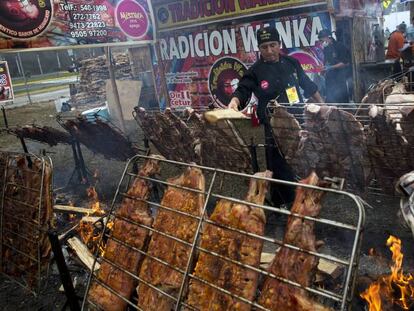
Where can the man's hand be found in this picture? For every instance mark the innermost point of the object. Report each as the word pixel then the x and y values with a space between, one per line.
pixel 234 104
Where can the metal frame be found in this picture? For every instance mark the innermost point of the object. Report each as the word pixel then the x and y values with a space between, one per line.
pixel 61 118
pixel 350 264
pixel 229 127
pixel 38 224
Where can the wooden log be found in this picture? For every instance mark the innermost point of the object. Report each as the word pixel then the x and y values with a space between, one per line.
pixel 82 252
pixel 72 209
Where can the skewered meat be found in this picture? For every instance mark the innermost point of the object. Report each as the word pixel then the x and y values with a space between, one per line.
pixel 125 235
pixel 219 145
pixel 170 135
pixel 332 143
pixel 44 134
pixel 376 93
pixel 100 137
pixel 167 249
pixel 224 274
pixel 340 141
pixel 388 149
pixel 293 265
pixel 287 133
pixel 407 125
pixel 27 214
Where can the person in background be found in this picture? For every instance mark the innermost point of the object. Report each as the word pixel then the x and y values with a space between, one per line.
pixel 410 32
pixel 275 76
pixel 395 45
pixel 337 61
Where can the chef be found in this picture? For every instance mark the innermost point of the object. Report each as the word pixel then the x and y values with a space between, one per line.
pixel 280 77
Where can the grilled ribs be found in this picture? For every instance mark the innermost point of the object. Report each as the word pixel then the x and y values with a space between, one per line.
pixel 167 249
pixel 294 265
pixel 125 235
pixel 25 211
pixel 236 246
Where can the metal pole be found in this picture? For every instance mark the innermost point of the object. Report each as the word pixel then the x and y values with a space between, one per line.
pixel 58 60
pixel 24 77
pixel 253 153
pixel 18 66
pixel 40 64
pixel 112 77
pixel 70 293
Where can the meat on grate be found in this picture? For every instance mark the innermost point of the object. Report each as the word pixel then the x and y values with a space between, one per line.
pixel 125 235
pixel 168 249
pixel 294 265
pixel 238 280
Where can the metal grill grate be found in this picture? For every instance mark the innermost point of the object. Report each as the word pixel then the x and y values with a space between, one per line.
pixel 342 216
pixel 26 212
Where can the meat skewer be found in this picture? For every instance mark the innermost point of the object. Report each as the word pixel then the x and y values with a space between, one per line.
pixel 135 236
pixel 167 249
pixel 293 265
pixel 224 274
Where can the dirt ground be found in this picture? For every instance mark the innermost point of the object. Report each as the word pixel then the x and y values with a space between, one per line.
pixel 381 219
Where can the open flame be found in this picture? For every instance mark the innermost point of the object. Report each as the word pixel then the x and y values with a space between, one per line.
pixel 90 228
pixel 396 288
pixel 95 205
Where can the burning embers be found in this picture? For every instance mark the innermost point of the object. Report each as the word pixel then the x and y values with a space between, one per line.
pixel 91 226
pixel 396 289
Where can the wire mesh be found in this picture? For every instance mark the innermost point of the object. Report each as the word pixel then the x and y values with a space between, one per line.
pixel 169 272
pixel 99 135
pixel 371 145
pixel 26 212
pixel 189 138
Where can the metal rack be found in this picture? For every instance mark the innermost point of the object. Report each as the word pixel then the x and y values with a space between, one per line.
pixel 231 186
pixel 387 151
pixel 92 140
pixel 25 206
pixel 187 138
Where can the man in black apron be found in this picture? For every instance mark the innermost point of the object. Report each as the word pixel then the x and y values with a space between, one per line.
pixel 275 76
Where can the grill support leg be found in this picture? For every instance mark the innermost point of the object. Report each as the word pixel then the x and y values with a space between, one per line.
pixel 72 299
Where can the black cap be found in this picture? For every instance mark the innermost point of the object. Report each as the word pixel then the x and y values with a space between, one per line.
pixel 324 33
pixel 267 34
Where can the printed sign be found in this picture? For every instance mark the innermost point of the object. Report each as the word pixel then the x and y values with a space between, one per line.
pixel 132 19
pixel 197 61
pixel 24 19
pixel 6 88
pixel 171 14
pixel 224 78
pixel 47 23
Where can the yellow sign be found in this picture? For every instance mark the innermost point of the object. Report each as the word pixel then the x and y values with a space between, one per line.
pixel 172 14
pixel 293 96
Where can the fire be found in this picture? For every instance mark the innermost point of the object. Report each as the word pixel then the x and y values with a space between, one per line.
pixel 90 233
pixel 396 288
pixel 95 205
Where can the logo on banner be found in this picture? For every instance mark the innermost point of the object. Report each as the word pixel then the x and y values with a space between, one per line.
pixel 24 19
pixel 6 89
pixel 309 63
pixel 132 19
pixel 224 78
pixel 264 85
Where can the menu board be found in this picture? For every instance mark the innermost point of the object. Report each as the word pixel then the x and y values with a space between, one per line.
pixel 48 23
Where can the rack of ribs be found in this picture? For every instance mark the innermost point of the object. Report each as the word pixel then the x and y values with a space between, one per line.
pixel 134 209
pixel 294 265
pixel 167 249
pixel 238 280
